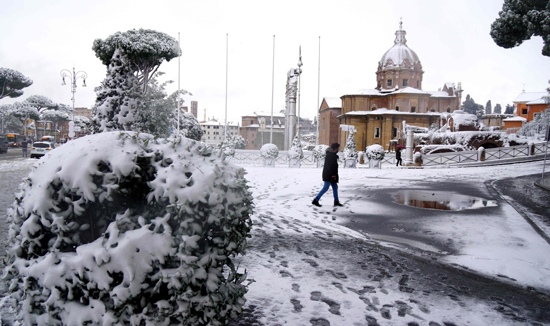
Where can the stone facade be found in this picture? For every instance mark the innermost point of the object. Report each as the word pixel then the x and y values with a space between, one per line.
pixel 378 114
pixel 252 132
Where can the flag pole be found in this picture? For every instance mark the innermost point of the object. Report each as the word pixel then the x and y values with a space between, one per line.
pixel 226 74
pixel 272 92
pixel 318 91
pixel 178 97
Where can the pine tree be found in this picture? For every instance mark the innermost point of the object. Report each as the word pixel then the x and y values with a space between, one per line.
pixel 509 109
pixel 470 106
pixel 498 109
pixel 519 20
pixel 12 82
pixel 488 107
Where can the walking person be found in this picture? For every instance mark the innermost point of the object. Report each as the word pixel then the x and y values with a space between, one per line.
pixel 24 145
pixel 330 175
pixel 398 157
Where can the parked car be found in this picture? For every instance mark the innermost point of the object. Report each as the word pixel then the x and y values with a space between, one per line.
pixel 3 145
pixel 40 148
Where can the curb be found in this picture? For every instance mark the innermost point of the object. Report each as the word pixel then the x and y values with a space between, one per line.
pixel 521 212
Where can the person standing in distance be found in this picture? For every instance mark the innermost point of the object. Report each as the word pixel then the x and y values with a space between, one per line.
pixel 330 175
pixel 24 147
pixel 398 157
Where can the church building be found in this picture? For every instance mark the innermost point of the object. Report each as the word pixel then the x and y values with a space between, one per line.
pixel 379 114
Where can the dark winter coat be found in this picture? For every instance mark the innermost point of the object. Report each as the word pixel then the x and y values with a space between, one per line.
pixel 398 154
pixel 330 169
pixel 24 144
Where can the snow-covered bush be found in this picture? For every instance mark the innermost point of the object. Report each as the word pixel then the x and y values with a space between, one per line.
pixel 269 151
pixel 536 128
pixel 375 152
pixel 295 152
pixel 350 150
pixel 118 98
pixel 190 127
pixel 319 152
pixel 118 228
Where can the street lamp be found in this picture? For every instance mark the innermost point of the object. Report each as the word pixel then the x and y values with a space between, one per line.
pixel 73 76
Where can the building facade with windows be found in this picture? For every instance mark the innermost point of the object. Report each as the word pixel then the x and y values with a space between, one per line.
pixel 214 131
pixel 256 130
pixel 378 114
pixel 529 105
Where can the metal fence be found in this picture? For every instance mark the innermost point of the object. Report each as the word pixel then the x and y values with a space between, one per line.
pixel 253 157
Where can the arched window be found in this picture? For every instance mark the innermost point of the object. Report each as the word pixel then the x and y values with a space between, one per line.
pixel 449 110
pixel 373 108
pixel 413 108
pixel 397 108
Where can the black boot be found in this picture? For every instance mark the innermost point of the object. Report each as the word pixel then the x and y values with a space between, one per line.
pixel 316 203
pixel 337 203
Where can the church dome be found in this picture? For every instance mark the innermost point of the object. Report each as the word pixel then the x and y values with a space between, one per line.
pixel 400 55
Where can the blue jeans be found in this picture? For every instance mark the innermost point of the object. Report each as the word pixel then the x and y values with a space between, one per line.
pixel 24 152
pixel 325 188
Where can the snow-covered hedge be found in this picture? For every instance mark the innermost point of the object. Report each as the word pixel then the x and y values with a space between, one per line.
pixel 295 152
pixel 118 228
pixel 375 152
pixel 350 150
pixel 269 151
pixel 536 128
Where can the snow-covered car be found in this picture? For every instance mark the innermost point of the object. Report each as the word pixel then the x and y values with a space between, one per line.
pixel 39 149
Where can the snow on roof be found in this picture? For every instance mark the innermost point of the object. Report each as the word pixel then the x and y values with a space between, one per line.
pixel 218 123
pixel 517 118
pixel 410 90
pixel 440 94
pixel 529 96
pixel 406 90
pixel 390 112
pixel 539 101
pixel 264 114
pixel 333 102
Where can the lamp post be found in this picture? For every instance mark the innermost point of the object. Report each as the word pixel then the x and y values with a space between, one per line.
pixel 73 76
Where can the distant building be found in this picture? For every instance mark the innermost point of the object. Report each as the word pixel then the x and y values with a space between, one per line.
pixel 329 125
pixel 252 131
pixel 529 105
pixel 85 112
pixel 378 114
pixel 495 121
pixel 214 131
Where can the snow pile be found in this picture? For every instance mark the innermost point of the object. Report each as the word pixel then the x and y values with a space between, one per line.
pixel 350 150
pixel 118 228
pixel 269 151
pixel 375 152
pixel 461 118
pixel 295 152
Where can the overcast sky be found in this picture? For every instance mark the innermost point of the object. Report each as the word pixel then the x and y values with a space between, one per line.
pixel 451 38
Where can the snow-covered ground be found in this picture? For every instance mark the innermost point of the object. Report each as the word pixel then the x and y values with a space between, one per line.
pixel 306 263
pixel 310 268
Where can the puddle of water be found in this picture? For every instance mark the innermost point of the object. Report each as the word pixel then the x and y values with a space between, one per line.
pixel 441 200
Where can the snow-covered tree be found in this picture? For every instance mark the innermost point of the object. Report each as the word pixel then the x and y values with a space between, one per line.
pixel 519 20
pixel 118 98
pixel 509 109
pixel 350 150
pixel 498 109
pixel 489 108
pixel 41 102
pixel 144 49
pixel 537 127
pixel 470 106
pixel 24 111
pixel 12 82
pixel 238 141
pixel 190 127
pixel 319 152
pixel 118 228
pixel 296 152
